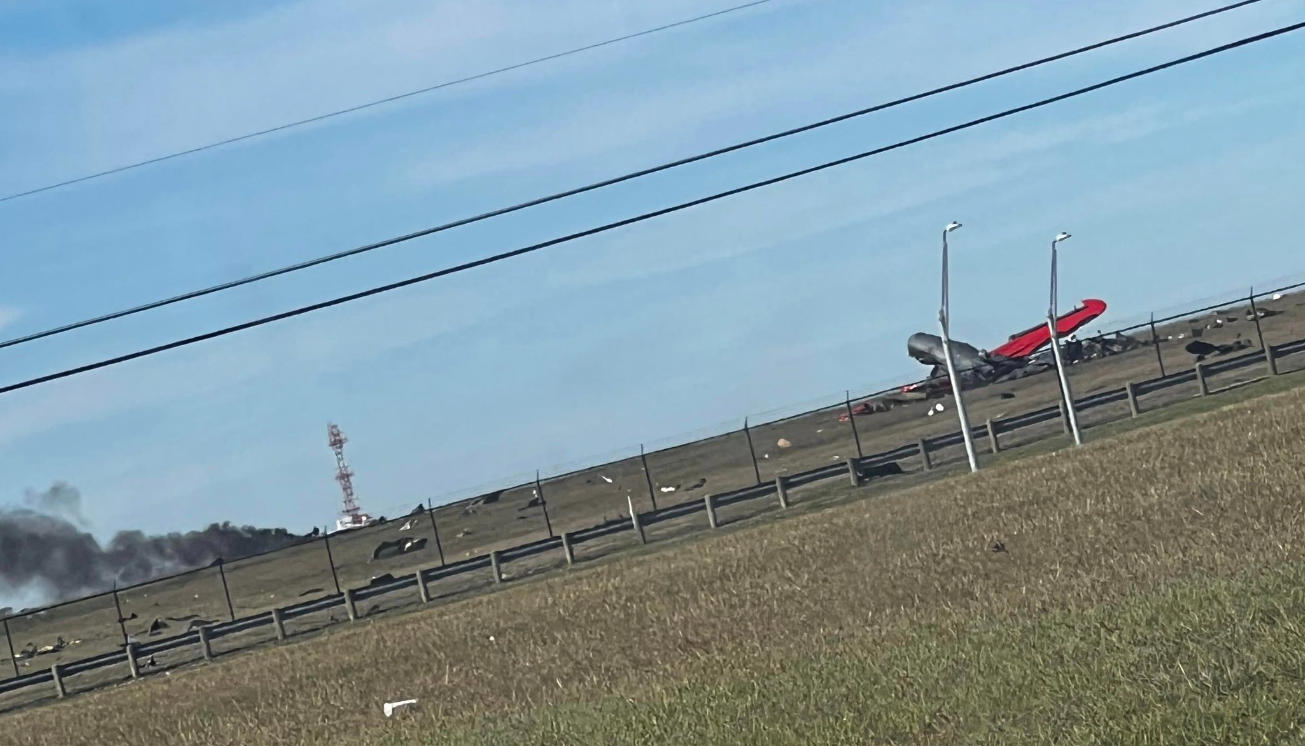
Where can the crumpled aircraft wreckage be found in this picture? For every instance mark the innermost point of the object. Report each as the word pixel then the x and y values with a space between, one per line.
pixel 1023 354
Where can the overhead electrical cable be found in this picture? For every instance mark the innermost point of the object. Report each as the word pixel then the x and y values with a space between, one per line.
pixel 647 215
pixel 379 102
pixel 191 295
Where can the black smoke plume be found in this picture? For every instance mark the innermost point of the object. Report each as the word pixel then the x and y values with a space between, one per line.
pixel 62 500
pixel 45 553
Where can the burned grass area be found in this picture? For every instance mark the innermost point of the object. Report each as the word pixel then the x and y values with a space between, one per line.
pixel 1147 588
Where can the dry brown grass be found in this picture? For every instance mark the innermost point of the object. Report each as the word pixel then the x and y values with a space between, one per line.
pixel 883 621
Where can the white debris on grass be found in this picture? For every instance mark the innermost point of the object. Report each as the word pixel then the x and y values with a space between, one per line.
pixel 389 707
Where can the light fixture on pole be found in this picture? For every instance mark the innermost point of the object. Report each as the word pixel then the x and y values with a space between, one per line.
pixel 944 321
pixel 1067 396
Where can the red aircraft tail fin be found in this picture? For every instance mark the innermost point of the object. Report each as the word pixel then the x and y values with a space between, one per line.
pixel 1029 342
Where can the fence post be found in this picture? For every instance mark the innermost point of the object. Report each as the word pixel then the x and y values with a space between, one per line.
pixel 56 673
pixel 543 504
pixel 1131 389
pixel 647 474
pixel 852 421
pixel 430 511
pixel 225 590
pixel 1268 349
pixel 494 565
pixel 1201 384
pixel 1064 416
pixel 924 454
pixel 756 470
pixel 133 664
pixel 854 472
pixel 117 604
pixel 278 623
pixel 423 591
pixel 567 549
pixel 335 577
pixel 781 489
pixel 13 658
pixel 205 644
pixel 1155 341
pixel 710 502
pixel 992 438
pixel 350 607
pixel 634 519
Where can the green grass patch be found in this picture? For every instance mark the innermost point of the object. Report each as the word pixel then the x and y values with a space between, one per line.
pixel 1204 660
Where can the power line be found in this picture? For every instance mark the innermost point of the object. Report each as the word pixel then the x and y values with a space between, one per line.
pixel 191 295
pixel 389 100
pixel 647 215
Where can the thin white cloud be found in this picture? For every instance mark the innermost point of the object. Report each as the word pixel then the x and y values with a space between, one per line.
pixel 8 315
pixel 863 193
pixel 726 86
pixel 98 106
pixel 1138 122
pixel 362 329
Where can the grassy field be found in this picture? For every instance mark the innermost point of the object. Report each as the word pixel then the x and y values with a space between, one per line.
pixel 1151 590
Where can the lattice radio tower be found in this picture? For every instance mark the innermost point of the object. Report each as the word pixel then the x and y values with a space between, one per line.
pixel 343 474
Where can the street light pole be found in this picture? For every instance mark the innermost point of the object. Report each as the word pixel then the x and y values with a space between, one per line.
pixel 1065 392
pixel 944 322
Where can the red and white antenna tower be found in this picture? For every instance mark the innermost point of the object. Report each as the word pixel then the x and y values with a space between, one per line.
pixel 353 516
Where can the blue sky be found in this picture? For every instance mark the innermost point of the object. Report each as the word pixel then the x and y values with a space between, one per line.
pixel 1179 186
